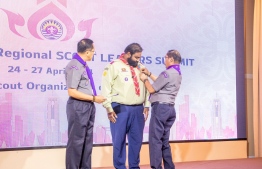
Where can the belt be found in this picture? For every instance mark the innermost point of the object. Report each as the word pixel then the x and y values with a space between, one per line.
pixel 128 104
pixel 71 98
pixel 156 103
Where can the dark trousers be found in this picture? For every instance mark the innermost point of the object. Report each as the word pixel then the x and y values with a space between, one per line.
pixel 130 121
pixel 162 118
pixel 81 117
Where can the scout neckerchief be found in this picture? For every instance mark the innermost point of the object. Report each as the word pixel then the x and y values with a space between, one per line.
pixel 137 89
pixel 177 67
pixel 89 74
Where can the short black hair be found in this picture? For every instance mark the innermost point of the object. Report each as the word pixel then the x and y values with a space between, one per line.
pixel 133 48
pixel 84 44
pixel 175 55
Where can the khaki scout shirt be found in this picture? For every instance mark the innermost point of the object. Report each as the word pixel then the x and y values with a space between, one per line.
pixel 118 86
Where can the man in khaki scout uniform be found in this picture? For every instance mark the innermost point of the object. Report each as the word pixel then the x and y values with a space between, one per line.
pixel 127 105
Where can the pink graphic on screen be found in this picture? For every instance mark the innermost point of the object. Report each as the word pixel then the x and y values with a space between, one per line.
pixel 38 44
pixel 42 13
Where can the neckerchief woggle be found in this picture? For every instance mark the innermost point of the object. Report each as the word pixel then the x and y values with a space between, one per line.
pixel 89 74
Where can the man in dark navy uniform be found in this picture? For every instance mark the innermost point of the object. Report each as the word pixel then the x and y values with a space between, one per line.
pixel 80 108
pixel 163 93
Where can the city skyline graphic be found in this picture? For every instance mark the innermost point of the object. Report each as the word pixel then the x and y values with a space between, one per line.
pixel 16 132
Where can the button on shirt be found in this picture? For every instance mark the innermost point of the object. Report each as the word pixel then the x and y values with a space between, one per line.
pixel 118 86
pixel 166 86
pixel 76 77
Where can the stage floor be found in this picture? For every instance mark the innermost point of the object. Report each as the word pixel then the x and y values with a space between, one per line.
pixel 247 163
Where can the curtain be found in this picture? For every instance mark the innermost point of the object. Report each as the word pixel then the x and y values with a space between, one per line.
pixel 257 79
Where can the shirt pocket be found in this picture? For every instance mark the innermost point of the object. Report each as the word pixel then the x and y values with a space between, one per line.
pixel 84 82
pixel 125 77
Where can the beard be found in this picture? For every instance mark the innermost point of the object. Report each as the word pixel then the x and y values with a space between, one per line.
pixel 131 62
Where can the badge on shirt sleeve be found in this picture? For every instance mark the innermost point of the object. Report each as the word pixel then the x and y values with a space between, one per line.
pixel 105 71
pixel 165 75
pixel 74 67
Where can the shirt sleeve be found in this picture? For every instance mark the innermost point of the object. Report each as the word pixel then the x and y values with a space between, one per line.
pixel 106 86
pixel 73 77
pixel 147 103
pixel 161 81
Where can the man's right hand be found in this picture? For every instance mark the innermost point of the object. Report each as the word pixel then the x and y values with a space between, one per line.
pixel 100 99
pixel 112 116
pixel 145 71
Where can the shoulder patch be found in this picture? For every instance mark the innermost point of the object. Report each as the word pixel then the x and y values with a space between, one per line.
pixel 73 67
pixel 165 74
